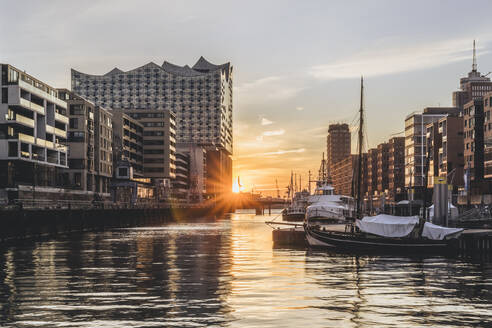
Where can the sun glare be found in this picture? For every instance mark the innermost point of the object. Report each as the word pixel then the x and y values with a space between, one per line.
pixel 235 187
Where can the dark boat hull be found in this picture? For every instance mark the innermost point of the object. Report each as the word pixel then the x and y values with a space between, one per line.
pixel 354 241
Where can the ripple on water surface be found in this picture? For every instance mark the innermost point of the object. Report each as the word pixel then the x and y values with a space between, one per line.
pixel 226 273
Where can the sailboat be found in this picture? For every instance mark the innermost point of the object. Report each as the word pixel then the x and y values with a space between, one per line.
pixel 382 232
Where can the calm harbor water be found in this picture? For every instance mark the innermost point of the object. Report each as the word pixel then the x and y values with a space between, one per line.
pixel 226 273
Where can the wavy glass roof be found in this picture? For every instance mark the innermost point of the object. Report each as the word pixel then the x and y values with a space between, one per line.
pixel 201 67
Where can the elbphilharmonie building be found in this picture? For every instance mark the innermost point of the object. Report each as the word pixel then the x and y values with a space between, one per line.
pixel 200 96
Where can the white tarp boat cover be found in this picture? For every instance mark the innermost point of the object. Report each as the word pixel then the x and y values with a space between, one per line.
pixel 388 225
pixel 436 232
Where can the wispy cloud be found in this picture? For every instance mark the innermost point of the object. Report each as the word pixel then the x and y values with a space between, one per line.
pixel 265 121
pixel 274 133
pixel 274 153
pixel 270 88
pixel 397 59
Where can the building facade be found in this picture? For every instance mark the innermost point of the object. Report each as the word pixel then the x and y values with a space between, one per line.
pixel 415 142
pixel 33 131
pixel 84 161
pixel 396 167
pixel 372 171
pixel 487 131
pixel 201 97
pixel 337 145
pixel 128 144
pixel 383 167
pixel 473 134
pixel 445 139
pixel 159 142
pixel 342 173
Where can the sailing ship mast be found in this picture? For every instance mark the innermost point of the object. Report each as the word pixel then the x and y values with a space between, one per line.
pixel 360 144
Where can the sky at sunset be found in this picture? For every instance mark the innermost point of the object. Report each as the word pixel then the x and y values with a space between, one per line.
pixel 297 64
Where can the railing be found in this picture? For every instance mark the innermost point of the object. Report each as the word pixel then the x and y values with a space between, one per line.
pixel 60 132
pixel 22 119
pixel 61 118
pixel 26 138
pixel 43 204
pixel 29 104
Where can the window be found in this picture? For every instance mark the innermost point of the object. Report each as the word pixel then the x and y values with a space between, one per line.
pixel 13 151
pixel 5 95
pixel 74 123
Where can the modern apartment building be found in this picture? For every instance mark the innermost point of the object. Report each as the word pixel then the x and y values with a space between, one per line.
pixel 372 171
pixel 445 137
pixel 337 145
pixel 128 144
pixel 342 173
pixel 104 142
pixel 383 167
pixel 200 96
pixel 33 131
pixel 473 134
pixel 487 131
pixel 181 184
pixel 159 142
pixel 472 87
pixel 396 167
pixel 84 164
pixel 415 142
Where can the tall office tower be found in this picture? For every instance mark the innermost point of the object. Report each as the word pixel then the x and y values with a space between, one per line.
pixel 337 145
pixel 473 134
pixel 33 131
pixel 473 86
pixel 89 156
pixel 200 96
pixel 396 167
pixel 415 142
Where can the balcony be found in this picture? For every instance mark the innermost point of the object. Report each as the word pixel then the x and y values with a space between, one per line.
pixel 26 138
pixel 22 120
pixel 61 118
pixel 60 133
pixel 32 106
pixel 50 129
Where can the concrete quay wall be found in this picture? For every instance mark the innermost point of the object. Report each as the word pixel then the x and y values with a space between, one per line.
pixel 28 223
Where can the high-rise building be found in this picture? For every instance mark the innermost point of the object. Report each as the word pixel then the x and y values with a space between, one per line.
pixel 85 171
pixel 473 134
pixel 415 142
pixel 33 131
pixel 473 86
pixel 200 96
pixel 337 145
